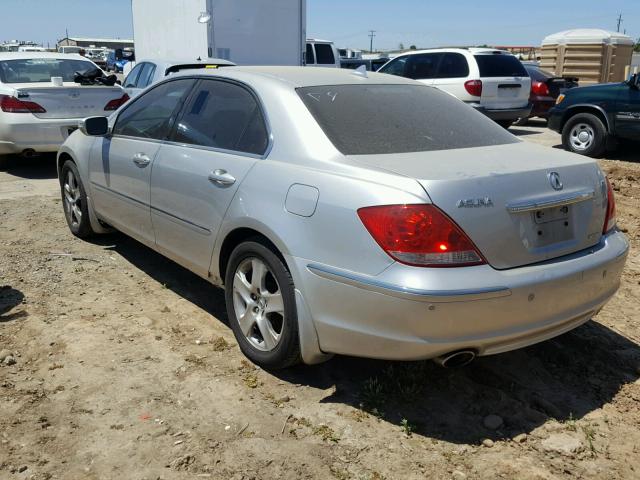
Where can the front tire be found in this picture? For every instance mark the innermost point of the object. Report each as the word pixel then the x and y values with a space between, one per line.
pixel 74 201
pixel 261 306
pixel 585 134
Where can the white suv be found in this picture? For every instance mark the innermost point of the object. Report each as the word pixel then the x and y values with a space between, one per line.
pixel 492 81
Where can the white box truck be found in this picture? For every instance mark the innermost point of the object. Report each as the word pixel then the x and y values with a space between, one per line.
pixel 246 32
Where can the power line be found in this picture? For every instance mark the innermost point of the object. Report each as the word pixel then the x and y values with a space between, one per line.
pixel 372 33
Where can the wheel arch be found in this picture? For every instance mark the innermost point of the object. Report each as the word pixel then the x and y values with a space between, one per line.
pixel 586 108
pixel 239 234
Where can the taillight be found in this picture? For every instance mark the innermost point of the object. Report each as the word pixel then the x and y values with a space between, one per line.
pixel 540 88
pixel 419 235
pixel 117 103
pixel 11 104
pixel 610 217
pixel 474 87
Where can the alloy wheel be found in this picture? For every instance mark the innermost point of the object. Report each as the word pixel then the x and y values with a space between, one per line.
pixel 258 304
pixel 72 199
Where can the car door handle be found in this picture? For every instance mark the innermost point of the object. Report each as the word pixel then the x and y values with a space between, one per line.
pixel 221 178
pixel 141 160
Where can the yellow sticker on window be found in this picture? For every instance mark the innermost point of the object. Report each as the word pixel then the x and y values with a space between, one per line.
pixel 211 66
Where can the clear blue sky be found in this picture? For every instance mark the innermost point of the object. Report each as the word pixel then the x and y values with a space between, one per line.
pixel 346 22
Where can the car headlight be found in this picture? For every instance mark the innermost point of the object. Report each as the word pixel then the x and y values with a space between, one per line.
pixel 560 99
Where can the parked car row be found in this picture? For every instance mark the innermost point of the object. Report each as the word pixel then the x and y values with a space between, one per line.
pixel 357 213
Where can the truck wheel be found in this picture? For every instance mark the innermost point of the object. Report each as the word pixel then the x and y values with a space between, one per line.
pixel 584 133
pixel 261 306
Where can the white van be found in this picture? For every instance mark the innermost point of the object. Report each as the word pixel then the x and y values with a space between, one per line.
pixel 494 82
pixel 321 53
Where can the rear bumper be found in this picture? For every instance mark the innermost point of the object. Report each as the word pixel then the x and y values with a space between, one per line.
pixel 24 131
pixel 503 113
pixel 541 106
pixel 409 313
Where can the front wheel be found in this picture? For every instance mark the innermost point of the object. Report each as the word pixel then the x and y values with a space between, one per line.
pixel 74 201
pixel 261 306
pixel 584 133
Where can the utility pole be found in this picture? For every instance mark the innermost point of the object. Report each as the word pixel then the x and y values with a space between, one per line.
pixel 372 33
pixel 619 21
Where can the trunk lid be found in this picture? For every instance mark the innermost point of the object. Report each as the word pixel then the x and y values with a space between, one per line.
pixel 69 101
pixel 503 198
pixel 505 82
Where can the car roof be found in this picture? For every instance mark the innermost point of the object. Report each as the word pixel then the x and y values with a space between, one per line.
pixel 186 61
pixel 34 55
pixel 297 77
pixel 471 50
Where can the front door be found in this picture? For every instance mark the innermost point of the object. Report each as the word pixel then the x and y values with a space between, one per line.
pixel 627 116
pixel 120 165
pixel 220 135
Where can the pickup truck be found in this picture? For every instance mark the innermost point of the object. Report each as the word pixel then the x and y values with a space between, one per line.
pixel 589 118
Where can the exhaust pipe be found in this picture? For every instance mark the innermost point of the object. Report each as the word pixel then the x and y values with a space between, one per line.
pixel 456 359
pixel 29 153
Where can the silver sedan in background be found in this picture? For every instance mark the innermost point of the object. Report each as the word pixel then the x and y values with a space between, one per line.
pixel 350 213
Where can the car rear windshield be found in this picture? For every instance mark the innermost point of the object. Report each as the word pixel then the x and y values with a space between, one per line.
pixel 385 119
pixel 500 65
pixel 40 70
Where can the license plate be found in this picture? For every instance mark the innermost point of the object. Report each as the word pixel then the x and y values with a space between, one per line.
pixel 552 225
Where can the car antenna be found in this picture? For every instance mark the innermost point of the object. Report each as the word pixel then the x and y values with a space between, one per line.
pixel 361 71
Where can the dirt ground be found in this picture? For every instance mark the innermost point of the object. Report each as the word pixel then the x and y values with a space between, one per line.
pixel 125 368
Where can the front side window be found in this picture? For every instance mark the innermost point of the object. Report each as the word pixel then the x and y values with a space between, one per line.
pixel 132 78
pixel 324 54
pixel 223 115
pixel 146 75
pixel 151 114
pixel 40 70
pixel 396 67
pixel 390 119
pixel 423 66
pixel 453 65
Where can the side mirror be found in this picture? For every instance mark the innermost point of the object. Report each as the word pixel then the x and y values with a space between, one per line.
pixel 94 126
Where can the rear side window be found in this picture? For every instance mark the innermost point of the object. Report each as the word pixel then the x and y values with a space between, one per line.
pixel 500 65
pixel 423 66
pixel 453 65
pixel 132 78
pixel 324 54
pixel 150 115
pixel 386 119
pixel 311 57
pixel 225 116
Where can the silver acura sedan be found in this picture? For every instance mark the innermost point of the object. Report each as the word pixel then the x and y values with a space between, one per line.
pixel 350 213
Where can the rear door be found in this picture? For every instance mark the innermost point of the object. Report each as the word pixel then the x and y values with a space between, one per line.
pixel 423 67
pixel 120 165
pixel 219 137
pixel 505 82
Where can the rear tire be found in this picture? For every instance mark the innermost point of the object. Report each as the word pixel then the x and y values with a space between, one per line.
pixel 585 134
pixel 4 162
pixel 74 201
pixel 261 306
pixel 504 123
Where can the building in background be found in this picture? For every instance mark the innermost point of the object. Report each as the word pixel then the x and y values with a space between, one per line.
pixel 85 43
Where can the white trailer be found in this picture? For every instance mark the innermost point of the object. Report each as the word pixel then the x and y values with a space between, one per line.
pixel 246 32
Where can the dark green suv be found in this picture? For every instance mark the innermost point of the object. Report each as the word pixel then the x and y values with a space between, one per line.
pixel 588 117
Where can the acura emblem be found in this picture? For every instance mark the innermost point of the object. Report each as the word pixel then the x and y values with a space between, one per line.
pixel 554 180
